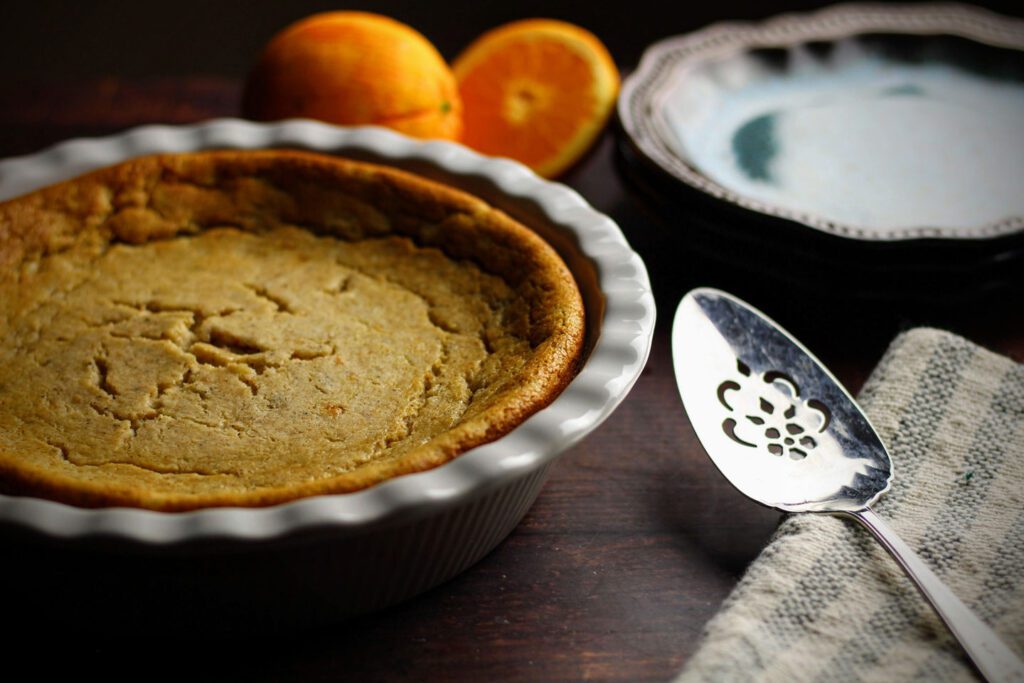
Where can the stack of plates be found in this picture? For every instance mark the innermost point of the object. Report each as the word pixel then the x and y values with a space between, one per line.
pixel 870 150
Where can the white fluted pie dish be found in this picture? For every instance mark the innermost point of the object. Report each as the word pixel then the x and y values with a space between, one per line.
pixel 326 557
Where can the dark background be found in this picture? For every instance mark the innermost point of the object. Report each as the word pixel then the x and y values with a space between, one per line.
pixel 53 40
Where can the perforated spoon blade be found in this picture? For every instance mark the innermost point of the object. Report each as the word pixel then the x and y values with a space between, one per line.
pixel 786 433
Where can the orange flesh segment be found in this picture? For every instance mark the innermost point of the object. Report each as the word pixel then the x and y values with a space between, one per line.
pixel 537 91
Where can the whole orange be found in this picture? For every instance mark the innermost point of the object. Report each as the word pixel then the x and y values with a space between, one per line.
pixel 355 68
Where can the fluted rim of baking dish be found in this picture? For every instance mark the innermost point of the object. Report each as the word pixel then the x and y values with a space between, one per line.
pixel 616 359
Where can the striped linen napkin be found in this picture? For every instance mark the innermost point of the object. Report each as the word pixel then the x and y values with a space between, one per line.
pixel 824 602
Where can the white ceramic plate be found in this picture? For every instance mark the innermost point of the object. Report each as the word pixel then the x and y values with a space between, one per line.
pixel 872 122
pixel 612 278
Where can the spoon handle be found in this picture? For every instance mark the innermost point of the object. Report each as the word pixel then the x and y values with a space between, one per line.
pixel 995 661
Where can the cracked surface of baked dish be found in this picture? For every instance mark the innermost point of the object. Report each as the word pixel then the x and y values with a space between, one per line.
pixel 248 328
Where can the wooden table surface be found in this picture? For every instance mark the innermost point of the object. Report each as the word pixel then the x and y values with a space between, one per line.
pixel 635 540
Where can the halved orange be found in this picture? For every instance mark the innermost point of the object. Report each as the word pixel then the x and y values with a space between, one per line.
pixel 538 91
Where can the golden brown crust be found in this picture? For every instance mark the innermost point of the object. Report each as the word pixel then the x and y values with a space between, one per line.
pixel 212 201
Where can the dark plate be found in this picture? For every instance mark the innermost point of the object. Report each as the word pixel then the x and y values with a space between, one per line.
pixel 801 149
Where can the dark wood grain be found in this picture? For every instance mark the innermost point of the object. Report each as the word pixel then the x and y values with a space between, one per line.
pixel 635 540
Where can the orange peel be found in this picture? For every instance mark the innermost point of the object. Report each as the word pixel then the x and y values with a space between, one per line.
pixel 355 68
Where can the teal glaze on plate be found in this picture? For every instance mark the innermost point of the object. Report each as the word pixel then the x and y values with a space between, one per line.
pixel 855 136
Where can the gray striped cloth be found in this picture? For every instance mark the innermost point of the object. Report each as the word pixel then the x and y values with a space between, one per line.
pixel 824 602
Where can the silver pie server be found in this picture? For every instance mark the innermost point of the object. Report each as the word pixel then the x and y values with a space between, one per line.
pixel 786 433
